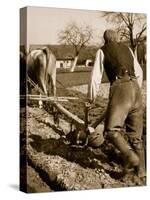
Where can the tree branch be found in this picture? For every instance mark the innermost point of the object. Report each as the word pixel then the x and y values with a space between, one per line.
pixel 138 35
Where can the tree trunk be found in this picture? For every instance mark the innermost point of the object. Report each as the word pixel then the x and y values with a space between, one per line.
pixel 74 64
pixel 132 40
pixel 135 52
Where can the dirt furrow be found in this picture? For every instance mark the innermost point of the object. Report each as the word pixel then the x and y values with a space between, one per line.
pixel 63 166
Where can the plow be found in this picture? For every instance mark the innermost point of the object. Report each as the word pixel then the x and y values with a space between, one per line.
pixel 81 129
pixel 50 150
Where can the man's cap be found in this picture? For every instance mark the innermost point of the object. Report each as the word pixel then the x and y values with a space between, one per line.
pixel 110 35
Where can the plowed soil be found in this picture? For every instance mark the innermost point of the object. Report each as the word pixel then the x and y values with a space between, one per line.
pixel 54 163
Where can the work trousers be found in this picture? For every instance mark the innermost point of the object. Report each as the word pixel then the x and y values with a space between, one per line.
pixel 125 109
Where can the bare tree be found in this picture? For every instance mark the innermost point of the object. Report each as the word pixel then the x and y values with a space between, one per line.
pixel 76 36
pixel 131 26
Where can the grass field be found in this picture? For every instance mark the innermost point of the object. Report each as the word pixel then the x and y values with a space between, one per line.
pixel 80 76
pixel 72 79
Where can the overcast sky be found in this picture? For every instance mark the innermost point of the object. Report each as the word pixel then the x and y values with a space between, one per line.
pixel 44 24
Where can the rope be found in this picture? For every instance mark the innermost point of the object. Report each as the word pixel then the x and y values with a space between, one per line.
pixel 34 85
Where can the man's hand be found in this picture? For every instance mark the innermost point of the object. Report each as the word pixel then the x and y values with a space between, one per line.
pixel 91 101
pixel 87 104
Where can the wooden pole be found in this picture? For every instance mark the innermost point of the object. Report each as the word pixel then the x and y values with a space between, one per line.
pixel 48 97
pixel 98 121
pixel 86 111
pixel 79 122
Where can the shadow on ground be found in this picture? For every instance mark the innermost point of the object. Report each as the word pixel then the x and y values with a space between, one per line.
pixel 85 157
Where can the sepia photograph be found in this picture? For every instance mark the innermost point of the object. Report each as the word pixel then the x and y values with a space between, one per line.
pixel 82 99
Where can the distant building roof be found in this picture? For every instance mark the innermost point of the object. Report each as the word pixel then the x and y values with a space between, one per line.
pixel 66 58
pixel 66 52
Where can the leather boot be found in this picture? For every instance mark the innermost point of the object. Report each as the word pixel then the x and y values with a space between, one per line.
pixel 129 156
pixel 139 149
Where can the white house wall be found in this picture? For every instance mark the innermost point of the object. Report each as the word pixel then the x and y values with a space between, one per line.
pixel 64 63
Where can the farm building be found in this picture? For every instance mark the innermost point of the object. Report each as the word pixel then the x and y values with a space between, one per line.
pixel 89 62
pixel 65 55
pixel 64 62
pixel 67 62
